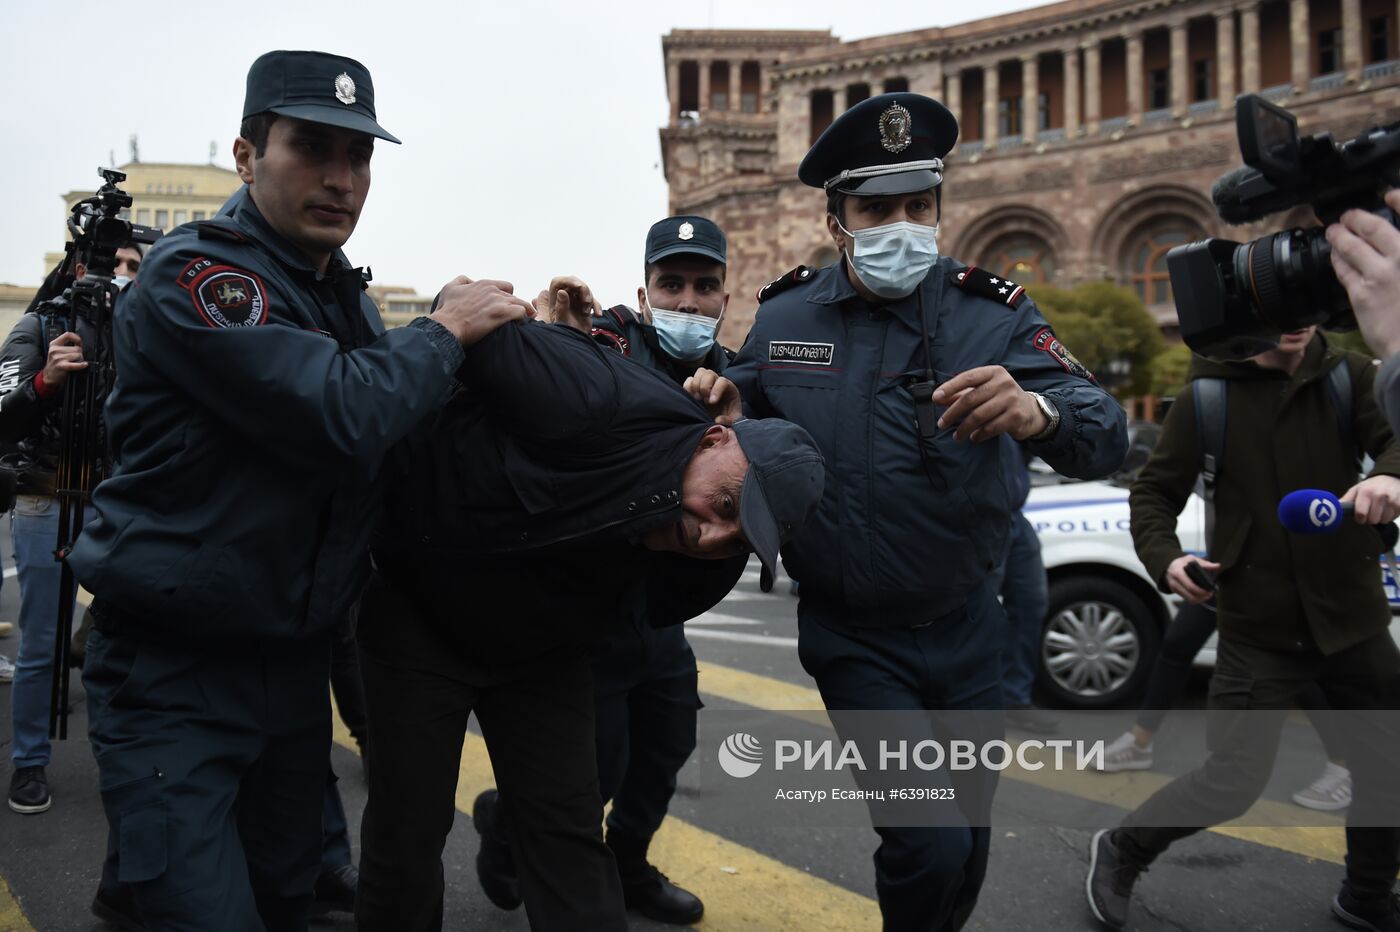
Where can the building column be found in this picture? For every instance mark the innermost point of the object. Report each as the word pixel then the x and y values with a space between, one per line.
pixel 1133 75
pixel 1180 69
pixel 933 81
pixel 1093 72
pixel 1351 39
pixel 733 100
pixel 1300 41
pixel 1030 97
pixel 1225 58
pixel 1071 82
pixel 1249 48
pixel 954 101
pixel 673 88
pixel 704 88
pixel 991 97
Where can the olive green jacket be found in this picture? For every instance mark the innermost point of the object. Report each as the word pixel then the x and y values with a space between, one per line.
pixel 1276 589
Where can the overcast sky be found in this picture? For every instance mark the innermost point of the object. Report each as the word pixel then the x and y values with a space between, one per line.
pixel 529 127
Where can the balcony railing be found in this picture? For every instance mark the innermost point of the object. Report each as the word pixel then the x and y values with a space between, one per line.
pixel 1014 141
pixel 970 147
pixel 1161 115
pixel 1203 107
pixel 1113 125
pixel 1380 69
pixel 1328 82
pixel 1277 93
pixel 1051 135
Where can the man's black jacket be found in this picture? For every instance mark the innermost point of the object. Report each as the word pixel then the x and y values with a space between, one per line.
pixel 514 516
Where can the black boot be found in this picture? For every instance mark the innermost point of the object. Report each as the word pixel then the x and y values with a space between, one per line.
pixel 495 866
pixel 646 889
pixel 335 891
pixel 117 907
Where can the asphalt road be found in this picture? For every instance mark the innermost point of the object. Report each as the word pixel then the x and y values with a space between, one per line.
pixel 782 874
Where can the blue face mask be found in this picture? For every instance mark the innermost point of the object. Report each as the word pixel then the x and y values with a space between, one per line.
pixel 892 259
pixel 684 337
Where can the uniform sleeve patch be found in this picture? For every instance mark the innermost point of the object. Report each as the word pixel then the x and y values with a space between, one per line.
pixel 1046 341
pixel 192 270
pixel 986 285
pixel 227 297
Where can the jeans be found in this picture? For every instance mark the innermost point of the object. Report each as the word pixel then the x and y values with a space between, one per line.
pixel 34 526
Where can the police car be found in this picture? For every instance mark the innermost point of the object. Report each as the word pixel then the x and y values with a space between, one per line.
pixel 1106 617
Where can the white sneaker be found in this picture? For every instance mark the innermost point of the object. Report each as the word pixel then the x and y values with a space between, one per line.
pixel 7 669
pixel 1329 792
pixel 1123 753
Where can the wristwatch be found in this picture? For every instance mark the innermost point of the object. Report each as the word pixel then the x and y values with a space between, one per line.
pixel 1052 417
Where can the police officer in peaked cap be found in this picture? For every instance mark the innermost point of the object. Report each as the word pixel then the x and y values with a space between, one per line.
pixel 906 366
pixel 256 393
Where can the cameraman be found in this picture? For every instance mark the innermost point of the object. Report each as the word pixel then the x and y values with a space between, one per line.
pixel 1292 610
pixel 31 414
pixel 1366 257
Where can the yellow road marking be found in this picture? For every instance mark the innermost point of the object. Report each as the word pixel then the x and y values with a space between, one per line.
pixel 12 918
pixel 1266 823
pixel 741 887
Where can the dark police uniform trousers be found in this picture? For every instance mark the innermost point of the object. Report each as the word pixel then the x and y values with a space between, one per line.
pixel 193 749
pixel 950 663
pixel 646 697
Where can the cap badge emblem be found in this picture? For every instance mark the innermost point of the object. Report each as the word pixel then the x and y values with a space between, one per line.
pixel 345 89
pixel 896 128
pixel 686 231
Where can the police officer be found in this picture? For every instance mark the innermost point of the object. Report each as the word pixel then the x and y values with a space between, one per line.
pixel 256 394
pixel 644 677
pixel 905 366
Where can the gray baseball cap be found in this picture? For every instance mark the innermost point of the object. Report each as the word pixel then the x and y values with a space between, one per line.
pixel 784 483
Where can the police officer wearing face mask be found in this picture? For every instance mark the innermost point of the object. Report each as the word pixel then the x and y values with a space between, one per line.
pixel 905 367
pixel 644 678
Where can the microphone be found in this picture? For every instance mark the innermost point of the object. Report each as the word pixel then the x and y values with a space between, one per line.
pixel 1228 197
pixel 1315 511
pixel 1312 511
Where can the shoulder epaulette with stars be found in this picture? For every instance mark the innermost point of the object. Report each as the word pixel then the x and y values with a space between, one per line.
pixel 986 285
pixel 785 281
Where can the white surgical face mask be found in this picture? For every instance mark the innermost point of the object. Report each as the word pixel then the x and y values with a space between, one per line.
pixel 892 259
pixel 121 281
pixel 684 337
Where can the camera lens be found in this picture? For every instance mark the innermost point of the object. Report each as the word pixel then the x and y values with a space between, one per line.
pixel 1288 279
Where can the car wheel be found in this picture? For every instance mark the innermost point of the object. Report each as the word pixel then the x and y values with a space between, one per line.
pixel 1098 644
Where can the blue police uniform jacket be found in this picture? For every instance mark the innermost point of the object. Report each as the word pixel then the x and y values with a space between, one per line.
pixel 255 399
pixel 907 529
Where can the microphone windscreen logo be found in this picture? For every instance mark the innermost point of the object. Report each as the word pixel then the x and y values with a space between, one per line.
pixel 1322 513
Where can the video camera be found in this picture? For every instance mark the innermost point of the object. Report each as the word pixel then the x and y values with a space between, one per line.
pixel 1235 300
pixel 98 230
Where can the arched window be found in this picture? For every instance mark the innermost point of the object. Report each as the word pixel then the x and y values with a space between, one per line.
pixel 1146 264
pixel 1023 258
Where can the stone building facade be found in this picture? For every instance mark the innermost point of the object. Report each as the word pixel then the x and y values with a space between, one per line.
pixel 1091 130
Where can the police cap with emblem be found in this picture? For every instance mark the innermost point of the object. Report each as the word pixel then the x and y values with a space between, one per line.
pixel 891 144
pixel 685 236
pixel 314 86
